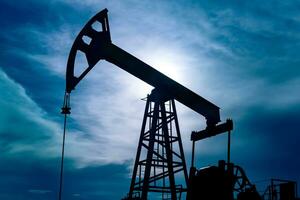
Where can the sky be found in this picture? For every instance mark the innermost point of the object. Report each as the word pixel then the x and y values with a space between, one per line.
pixel 241 55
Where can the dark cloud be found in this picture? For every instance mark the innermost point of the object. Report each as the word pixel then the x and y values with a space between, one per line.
pixel 272 146
pixel 263 36
pixel 33 178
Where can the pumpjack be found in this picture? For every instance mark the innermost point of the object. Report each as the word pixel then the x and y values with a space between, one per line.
pixel 160 166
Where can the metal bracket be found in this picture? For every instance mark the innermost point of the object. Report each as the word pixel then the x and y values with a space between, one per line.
pixel 212 131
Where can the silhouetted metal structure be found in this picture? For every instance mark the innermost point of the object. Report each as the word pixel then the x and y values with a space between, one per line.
pixel 162 159
pixel 281 190
pixel 225 181
pixel 100 47
pixel 160 156
pixel 211 131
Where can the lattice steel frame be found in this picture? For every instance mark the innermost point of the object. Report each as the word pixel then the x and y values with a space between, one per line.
pixel 160 153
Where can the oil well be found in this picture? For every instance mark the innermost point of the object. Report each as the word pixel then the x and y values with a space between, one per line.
pixel 160 162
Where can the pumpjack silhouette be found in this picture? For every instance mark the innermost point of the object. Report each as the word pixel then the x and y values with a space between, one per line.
pixel 160 162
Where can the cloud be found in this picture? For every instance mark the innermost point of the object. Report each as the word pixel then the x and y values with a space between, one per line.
pixel 111 90
pixel 33 178
pixel 24 127
pixel 104 86
pixel 30 150
pixel 241 56
pixel 28 138
pixel 27 129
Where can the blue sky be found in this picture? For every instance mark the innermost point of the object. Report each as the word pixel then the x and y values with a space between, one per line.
pixel 241 55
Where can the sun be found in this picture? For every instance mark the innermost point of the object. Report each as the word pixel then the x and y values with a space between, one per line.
pixel 170 61
pixel 167 62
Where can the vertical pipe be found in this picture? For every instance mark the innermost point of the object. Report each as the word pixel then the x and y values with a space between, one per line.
pixel 62 159
pixel 193 154
pixel 228 148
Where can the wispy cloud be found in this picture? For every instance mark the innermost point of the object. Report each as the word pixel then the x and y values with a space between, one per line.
pixel 25 127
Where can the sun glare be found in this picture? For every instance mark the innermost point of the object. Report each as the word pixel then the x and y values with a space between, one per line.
pixel 167 61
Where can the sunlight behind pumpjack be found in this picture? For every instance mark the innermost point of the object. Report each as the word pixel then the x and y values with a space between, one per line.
pixel 167 61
